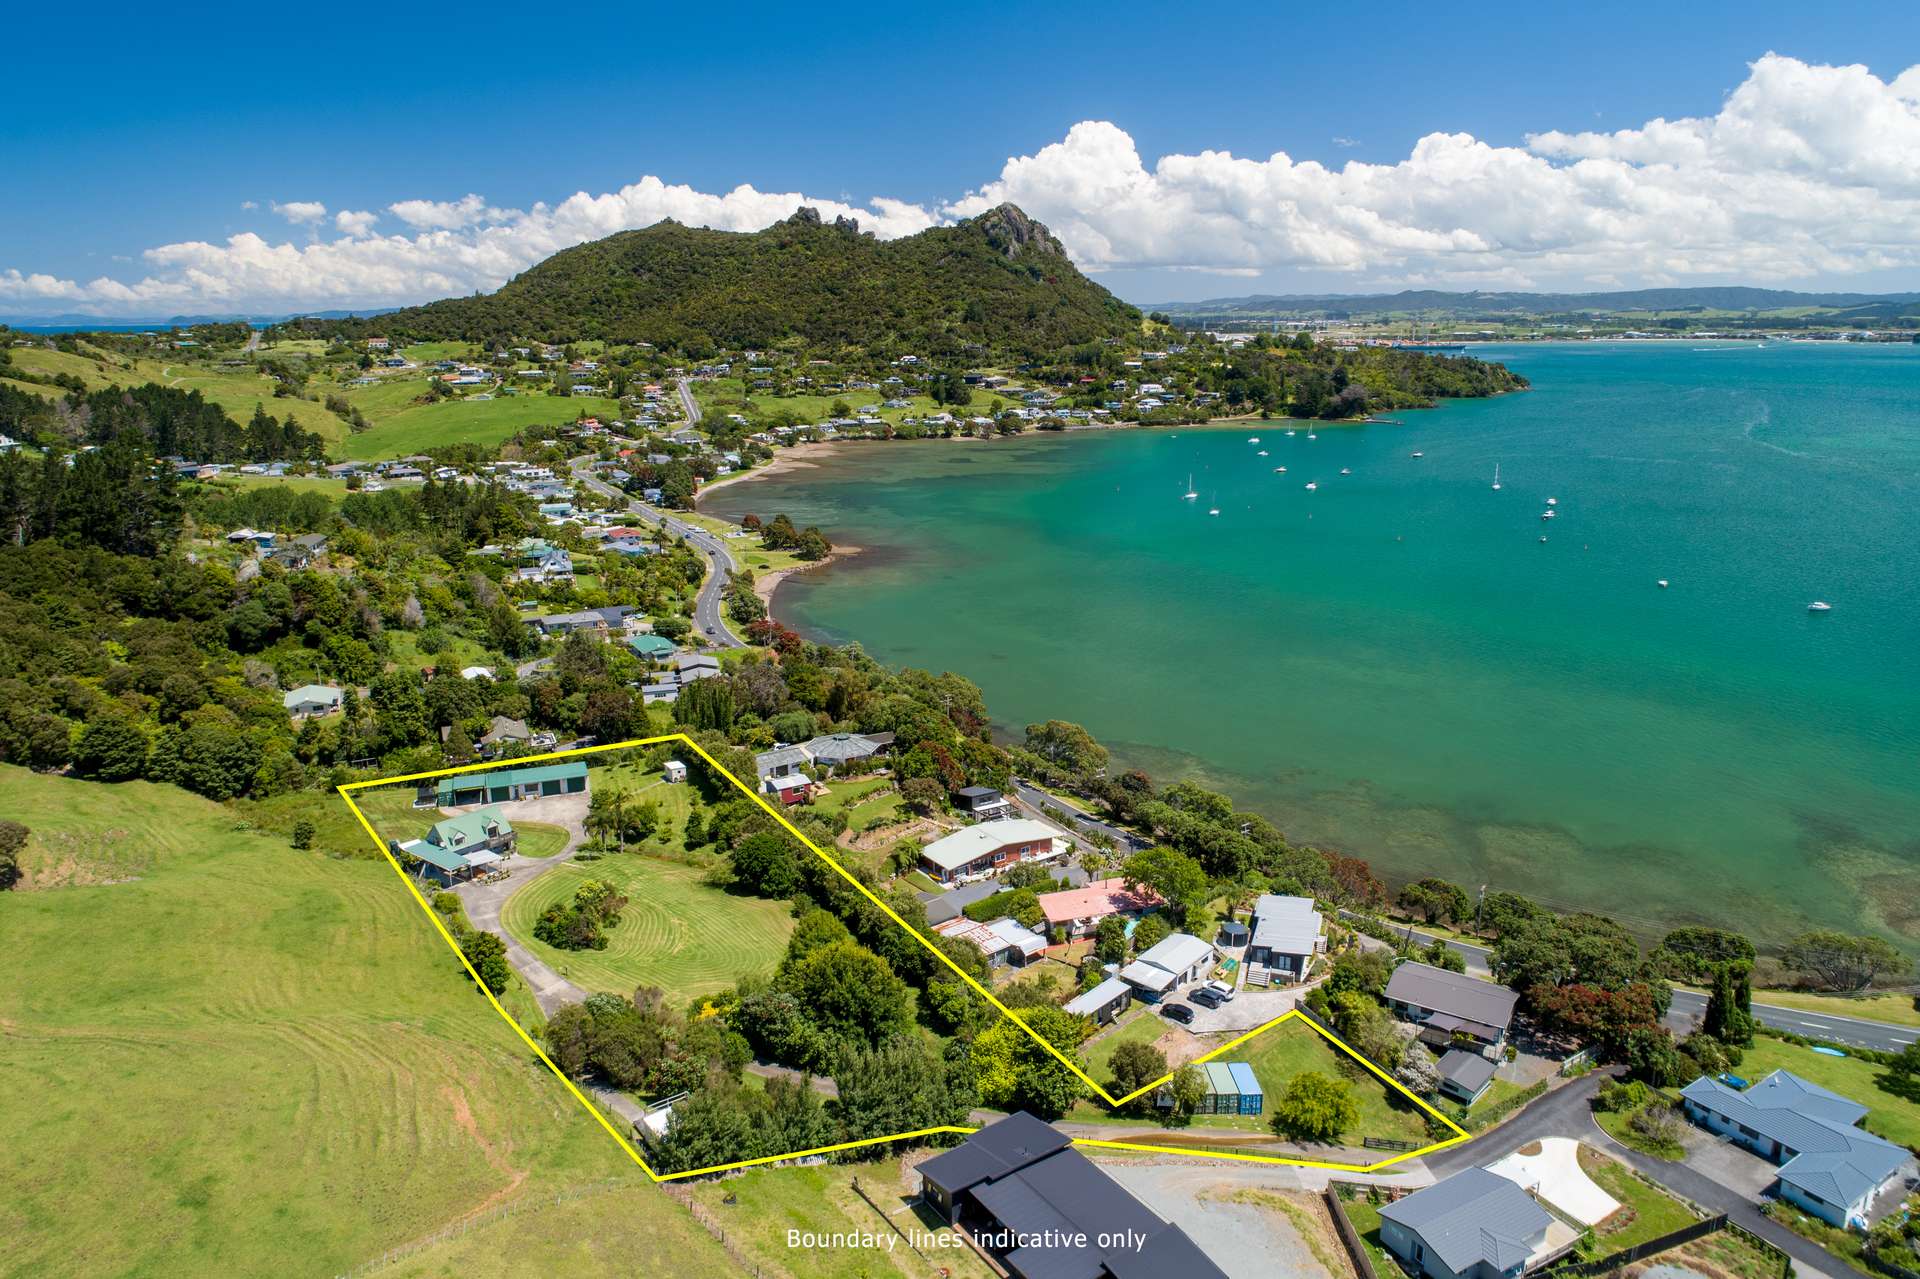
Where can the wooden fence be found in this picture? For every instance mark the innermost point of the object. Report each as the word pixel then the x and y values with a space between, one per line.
pixel 1627 1256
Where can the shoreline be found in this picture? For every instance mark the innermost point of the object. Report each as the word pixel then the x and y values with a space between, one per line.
pixel 767 584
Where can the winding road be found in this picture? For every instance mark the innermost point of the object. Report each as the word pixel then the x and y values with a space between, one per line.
pixel 709 608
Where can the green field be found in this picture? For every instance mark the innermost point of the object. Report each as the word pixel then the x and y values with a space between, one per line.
pixel 487 422
pixel 223 1056
pixel 676 933
pixel 1899 1008
pixel 1894 1118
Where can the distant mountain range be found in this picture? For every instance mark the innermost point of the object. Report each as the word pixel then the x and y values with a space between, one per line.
pixel 1431 303
pixel 79 321
pixel 999 282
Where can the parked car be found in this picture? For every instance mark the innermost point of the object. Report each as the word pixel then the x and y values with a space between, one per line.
pixel 1178 1012
pixel 1224 989
pixel 1207 997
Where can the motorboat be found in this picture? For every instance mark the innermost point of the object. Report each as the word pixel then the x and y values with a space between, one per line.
pixel 1819 606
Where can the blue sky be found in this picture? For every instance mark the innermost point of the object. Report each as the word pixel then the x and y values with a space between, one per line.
pixel 162 132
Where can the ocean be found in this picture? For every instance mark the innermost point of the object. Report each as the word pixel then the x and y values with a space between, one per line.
pixel 1396 665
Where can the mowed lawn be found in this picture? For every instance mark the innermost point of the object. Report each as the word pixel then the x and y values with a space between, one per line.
pixel 219 1055
pixel 1894 1118
pixel 677 932
pixel 1293 1047
pixel 485 422
pixel 1143 1027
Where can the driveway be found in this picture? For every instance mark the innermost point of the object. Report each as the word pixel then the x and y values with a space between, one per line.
pixel 1727 1163
pixel 1550 1168
pixel 1247 1240
pixel 1245 1010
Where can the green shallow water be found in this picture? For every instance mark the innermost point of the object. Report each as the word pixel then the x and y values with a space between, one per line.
pixel 1395 664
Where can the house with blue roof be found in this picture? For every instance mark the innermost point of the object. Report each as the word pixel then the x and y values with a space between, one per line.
pixel 1830 1167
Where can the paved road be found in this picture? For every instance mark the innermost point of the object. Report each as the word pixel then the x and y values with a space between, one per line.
pixel 709 609
pixel 1690 1006
pixel 1030 798
pixel 1566 1112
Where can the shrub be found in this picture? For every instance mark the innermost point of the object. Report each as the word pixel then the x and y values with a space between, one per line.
pixel 1659 1124
pixel 1625 1095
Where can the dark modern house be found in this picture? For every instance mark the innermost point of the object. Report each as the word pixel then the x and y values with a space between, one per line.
pixel 1453 1009
pixel 1045 1211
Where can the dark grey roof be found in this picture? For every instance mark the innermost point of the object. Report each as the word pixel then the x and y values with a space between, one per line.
pixel 1472 1217
pixel 972 793
pixel 1832 1159
pixel 997 1149
pixel 1470 1071
pixel 1465 997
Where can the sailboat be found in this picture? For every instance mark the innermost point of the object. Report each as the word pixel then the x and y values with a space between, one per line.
pixel 1190 494
pixel 1213 510
pixel 1496 477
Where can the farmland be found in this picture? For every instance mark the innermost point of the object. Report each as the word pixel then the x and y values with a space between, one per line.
pixel 306 1075
pixel 415 428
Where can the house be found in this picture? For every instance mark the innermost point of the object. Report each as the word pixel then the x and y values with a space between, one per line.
pixel 1231 1089
pixel 989 848
pixel 1465 1076
pixel 1453 1009
pixel 455 847
pixel 1285 935
pixel 985 803
pixel 504 784
pixel 1076 912
pixel 673 772
pixel 783 772
pixel 1174 961
pixel 845 751
pixel 652 648
pixel 1102 1003
pixel 502 732
pixel 1046 1211
pixel 1830 1167
pixel 1004 942
pixel 693 666
pixel 311 699
pixel 1474 1225
pixel 476 672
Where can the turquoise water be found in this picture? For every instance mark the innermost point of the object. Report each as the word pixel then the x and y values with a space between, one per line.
pixel 1395 664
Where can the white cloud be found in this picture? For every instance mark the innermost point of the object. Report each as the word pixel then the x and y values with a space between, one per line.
pixel 299 211
pixel 1806 172
pixel 249 204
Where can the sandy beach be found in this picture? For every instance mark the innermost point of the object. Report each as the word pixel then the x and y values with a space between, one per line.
pixel 767 583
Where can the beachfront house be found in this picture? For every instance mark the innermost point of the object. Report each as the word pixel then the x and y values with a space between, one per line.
pixel 846 753
pixel 1284 936
pixel 1830 1167
pixel 1452 1009
pixel 976 852
pixel 1177 959
pixel 1474 1225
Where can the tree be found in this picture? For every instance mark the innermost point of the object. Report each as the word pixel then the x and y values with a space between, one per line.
pixel 110 749
pixel 1134 1066
pixel 1727 1020
pixel 922 794
pixel 765 865
pixel 705 704
pixel 1843 963
pixel 1151 931
pixel 1694 952
pixel 13 840
pixel 1185 1091
pixel 1315 1107
pixel 1417 1069
pixel 488 955
pixel 1367 971
pixel 1436 901
pixel 1110 940
pixel 1605 1019
pixel 303 834
pixel 904 1085
pixel 1067 746
pixel 850 993
pixel 1177 878
pixel 1355 884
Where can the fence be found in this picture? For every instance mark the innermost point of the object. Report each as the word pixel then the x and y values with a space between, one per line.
pixel 1349 1237
pixel 1627 1256
pixel 1388 1143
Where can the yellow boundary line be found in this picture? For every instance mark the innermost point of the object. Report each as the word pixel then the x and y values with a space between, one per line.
pixel 446 935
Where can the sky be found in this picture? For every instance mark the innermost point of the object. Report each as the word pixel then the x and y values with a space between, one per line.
pixel 329 159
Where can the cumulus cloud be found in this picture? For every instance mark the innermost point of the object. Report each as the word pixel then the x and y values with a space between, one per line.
pixel 299 211
pixel 1805 172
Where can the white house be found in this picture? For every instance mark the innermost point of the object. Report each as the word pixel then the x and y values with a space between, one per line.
pixel 1175 960
pixel 976 852
pixel 312 699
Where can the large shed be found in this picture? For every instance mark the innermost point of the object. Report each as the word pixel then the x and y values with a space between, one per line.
pixel 504 784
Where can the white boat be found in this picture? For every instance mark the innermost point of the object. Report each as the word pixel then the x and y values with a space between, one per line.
pixel 1546 515
pixel 1553 501
pixel 1189 495
pixel 1289 432
pixel 1496 477
pixel 1312 436
pixel 1312 485
pixel 1262 453
pixel 1543 537
pixel 1253 439
pixel 1279 470
pixel 1346 470
pixel 1418 453
pixel 1663 583
pixel 1819 606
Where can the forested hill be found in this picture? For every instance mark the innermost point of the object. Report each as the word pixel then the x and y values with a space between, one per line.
pixel 1000 281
